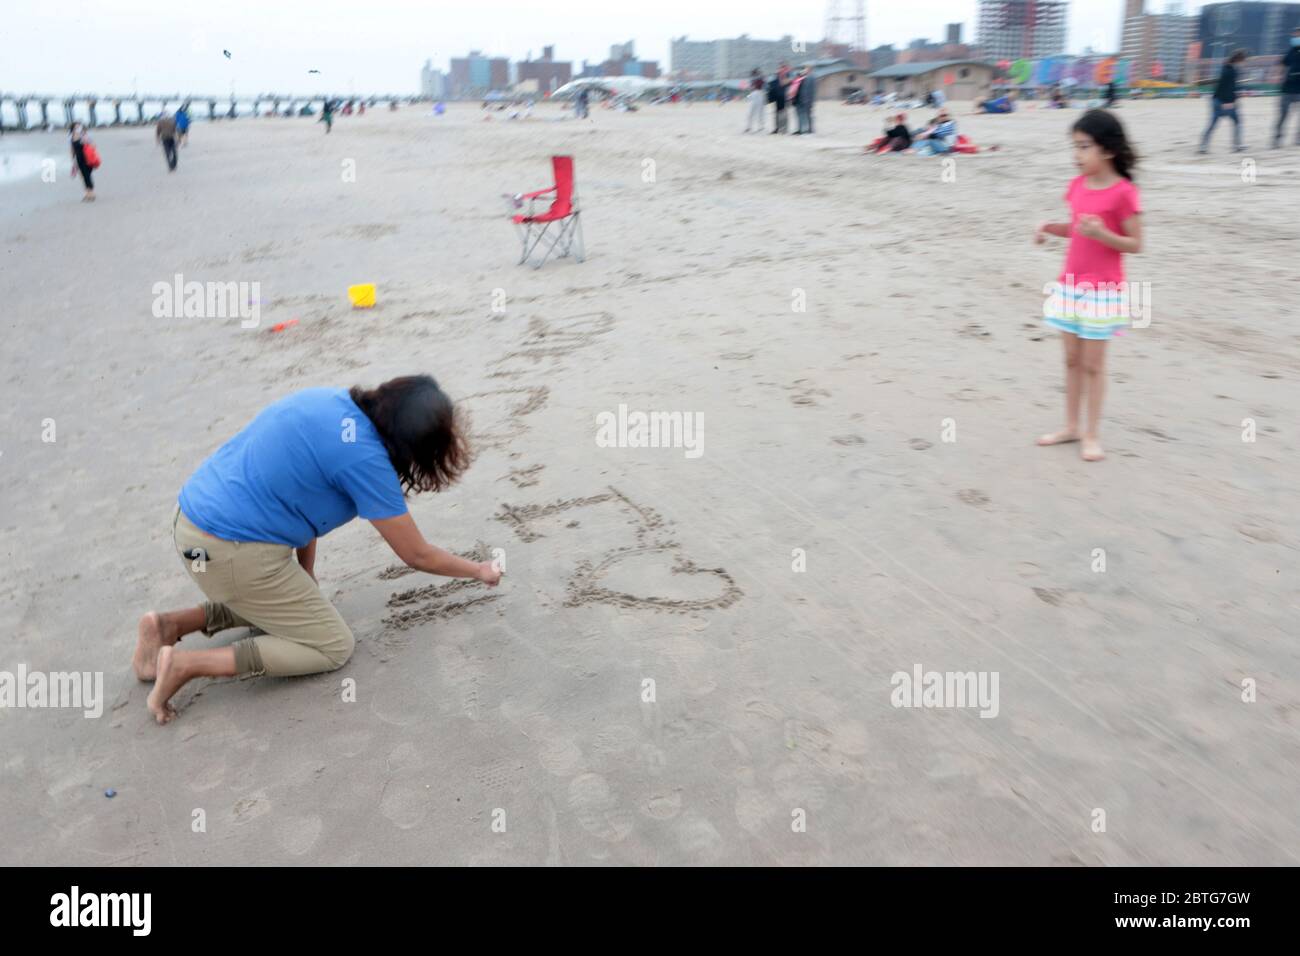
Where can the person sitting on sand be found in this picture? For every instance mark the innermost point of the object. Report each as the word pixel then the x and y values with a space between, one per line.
pixel 247 521
pixel 939 137
pixel 999 104
pixel 897 137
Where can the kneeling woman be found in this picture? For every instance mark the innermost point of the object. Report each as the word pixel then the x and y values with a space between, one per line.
pixel 247 522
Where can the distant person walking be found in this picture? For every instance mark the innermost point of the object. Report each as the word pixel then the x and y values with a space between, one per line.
pixel 80 147
pixel 581 104
pixel 1290 94
pixel 1224 103
pixel 756 98
pixel 183 125
pixel 776 96
pixel 805 95
pixel 165 133
pixel 327 114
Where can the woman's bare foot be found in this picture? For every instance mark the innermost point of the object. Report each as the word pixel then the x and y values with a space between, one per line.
pixel 170 680
pixel 1062 437
pixel 1091 450
pixel 152 636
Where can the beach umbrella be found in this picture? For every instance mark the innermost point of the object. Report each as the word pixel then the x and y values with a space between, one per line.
pixel 949 79
pixel 1157 69
pixel 1104 71
pixel 1020 71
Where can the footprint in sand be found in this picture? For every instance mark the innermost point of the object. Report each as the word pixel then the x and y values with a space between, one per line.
pixel 561 756
pixel 500 776
pixel 298 835
pixel 1053 596
pixel 664 805
pixel 404 805
pixel 251 807
pixel 596 808
pixel 699 839
pixel 920 444
pixel 973 497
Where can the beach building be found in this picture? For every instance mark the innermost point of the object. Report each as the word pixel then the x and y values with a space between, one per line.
pixel 837 77
pixel 545 75
pixel 433 82
pixel 472 76
pixel 970 79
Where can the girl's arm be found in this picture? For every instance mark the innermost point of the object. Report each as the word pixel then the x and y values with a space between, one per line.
pixel 1059 229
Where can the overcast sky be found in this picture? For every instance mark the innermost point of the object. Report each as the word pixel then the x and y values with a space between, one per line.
pixel 378 46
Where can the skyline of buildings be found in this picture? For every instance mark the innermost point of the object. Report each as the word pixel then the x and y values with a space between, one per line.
pixel 1170 45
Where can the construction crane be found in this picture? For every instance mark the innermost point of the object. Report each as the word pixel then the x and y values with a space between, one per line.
pixel 841 27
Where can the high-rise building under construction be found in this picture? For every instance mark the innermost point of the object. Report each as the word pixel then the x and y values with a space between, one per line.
pixel 1010 29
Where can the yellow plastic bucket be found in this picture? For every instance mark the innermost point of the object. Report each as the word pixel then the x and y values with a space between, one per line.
pixel 362 296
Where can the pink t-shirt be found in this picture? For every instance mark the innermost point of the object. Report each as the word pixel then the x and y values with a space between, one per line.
pixel 1087 259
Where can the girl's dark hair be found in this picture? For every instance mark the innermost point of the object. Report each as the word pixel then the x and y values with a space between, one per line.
pixel 1238 55
pixel 422 430
pixel 1105 130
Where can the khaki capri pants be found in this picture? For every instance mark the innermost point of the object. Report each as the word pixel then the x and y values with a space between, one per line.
pixel 259 585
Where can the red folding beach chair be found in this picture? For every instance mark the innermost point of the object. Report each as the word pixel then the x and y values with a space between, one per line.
pixel 535 229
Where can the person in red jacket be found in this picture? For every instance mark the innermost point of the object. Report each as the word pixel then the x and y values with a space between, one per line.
pixel 79 140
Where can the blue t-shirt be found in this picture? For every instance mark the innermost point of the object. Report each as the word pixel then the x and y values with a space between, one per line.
pixel 307 464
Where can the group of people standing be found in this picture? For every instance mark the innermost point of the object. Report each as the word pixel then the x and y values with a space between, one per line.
pixel 170 132
pixel 786 89
pixel 1224 102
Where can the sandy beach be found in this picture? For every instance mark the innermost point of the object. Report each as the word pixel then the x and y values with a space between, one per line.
pixel 823 445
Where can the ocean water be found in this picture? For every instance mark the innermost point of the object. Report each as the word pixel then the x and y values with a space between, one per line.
pixel 18 165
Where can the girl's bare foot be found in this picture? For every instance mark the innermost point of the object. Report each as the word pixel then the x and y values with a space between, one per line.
pixel 170 680
pixel 145 659
pixel 1091 450
pixel 1058 438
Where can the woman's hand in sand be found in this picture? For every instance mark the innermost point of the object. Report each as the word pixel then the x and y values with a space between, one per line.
pixel 488 573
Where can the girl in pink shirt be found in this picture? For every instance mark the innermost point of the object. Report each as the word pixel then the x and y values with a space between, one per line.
pixel 1090 301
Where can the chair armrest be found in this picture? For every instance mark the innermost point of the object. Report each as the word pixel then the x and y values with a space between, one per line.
pixel 540 192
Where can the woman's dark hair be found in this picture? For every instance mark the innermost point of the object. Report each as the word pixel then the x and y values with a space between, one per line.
pixel 423 432
pixel 1105 130
pixel 1238 55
